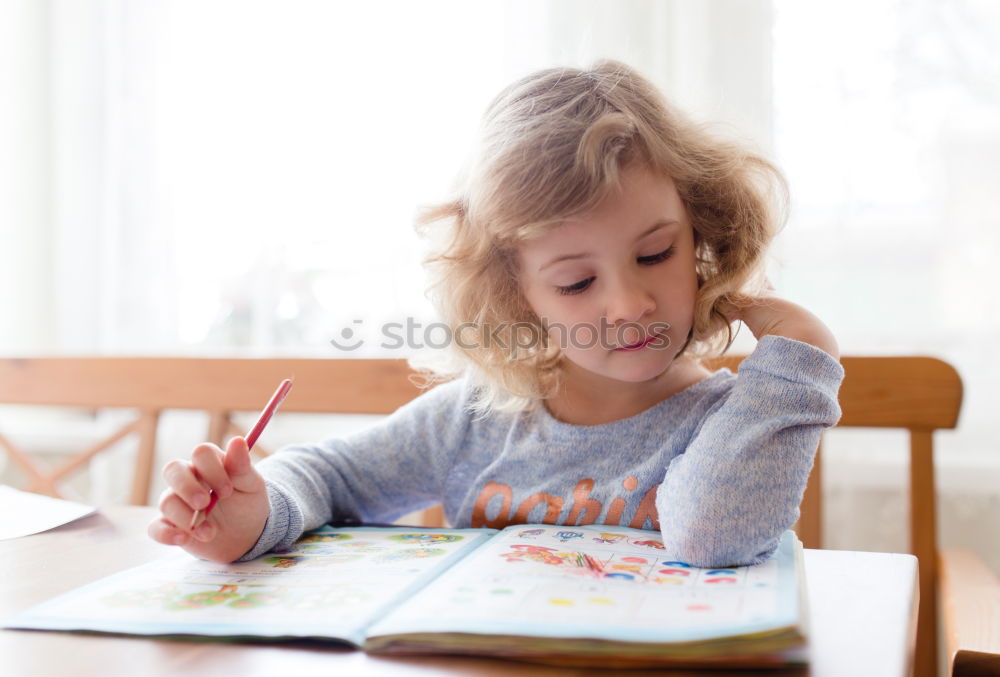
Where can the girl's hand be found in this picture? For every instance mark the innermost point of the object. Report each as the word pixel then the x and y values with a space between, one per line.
pixel 238 518
pixel 770 314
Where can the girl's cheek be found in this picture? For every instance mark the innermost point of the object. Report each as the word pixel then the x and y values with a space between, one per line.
pixel 557 333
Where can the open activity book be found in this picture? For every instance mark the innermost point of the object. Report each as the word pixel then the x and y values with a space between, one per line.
pixel 589 595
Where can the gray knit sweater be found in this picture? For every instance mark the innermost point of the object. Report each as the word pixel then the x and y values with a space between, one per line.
pixel 718 468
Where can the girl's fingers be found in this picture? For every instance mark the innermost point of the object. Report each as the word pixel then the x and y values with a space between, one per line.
pixel 731 306
pixel 164 532
pixel 207 461
pixel 173 512
pixel 239 466
pixel 181 479
pixel 737 305
pixel 190 488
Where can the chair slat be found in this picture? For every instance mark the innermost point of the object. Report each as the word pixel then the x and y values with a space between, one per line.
pixel 374 386
pixel 149 420
pixel 923 544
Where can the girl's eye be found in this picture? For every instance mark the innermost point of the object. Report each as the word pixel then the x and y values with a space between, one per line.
pixel 651 260
pixel 575 288
pixel 657 258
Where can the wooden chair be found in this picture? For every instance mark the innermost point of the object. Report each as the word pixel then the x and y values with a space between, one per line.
pixel 919 394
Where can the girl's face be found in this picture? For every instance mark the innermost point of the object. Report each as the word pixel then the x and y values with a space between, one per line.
pixel 616 287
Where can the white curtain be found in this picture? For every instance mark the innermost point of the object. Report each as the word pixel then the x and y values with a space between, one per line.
pixel 887 121
pixel 24 168
pixel 230 176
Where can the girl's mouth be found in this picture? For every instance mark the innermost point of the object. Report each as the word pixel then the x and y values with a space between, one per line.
pixel 640 345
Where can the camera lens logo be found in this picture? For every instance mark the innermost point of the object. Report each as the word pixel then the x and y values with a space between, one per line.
pixel 348 340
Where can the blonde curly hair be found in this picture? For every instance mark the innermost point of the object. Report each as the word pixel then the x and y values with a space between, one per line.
pixel 553 146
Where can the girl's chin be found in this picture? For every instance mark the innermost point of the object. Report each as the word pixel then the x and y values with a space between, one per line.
pixel 639 372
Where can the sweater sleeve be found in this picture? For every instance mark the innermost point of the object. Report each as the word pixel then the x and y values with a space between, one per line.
pixel 388 470
pixel 736 488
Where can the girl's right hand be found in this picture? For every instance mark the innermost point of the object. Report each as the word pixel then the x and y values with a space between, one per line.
pixel 769 314
pixel 238 518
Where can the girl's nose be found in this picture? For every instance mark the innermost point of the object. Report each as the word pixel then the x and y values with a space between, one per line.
pixel 628 301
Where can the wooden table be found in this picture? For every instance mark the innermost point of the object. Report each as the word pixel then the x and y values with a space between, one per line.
pixel 862 616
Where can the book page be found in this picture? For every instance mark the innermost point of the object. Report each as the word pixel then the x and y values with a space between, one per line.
pixel 603 582
pixel 332 583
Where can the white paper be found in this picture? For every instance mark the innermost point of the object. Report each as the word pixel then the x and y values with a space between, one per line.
pixel 23 513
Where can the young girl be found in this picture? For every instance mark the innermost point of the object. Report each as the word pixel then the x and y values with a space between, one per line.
pixel 601 243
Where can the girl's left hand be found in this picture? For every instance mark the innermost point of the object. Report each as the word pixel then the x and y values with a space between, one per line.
pixel 771 315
